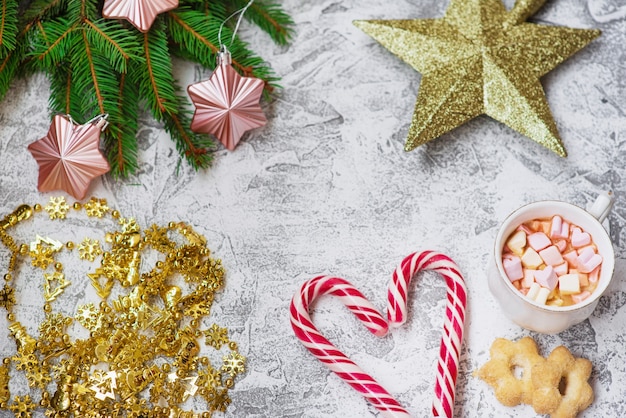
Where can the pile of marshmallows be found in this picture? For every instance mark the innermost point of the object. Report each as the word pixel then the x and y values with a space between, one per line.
pixel 552 262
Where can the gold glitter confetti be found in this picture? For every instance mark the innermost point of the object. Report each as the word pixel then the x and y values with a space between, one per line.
pixel 146 343
pixel 481 59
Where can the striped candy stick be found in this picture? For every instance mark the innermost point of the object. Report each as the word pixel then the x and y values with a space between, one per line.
pixel 452 338
pixel 327 353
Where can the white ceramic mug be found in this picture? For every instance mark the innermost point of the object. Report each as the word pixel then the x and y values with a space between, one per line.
pixel 526 312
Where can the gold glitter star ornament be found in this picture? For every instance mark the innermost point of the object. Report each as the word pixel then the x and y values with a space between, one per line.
pixel 481 59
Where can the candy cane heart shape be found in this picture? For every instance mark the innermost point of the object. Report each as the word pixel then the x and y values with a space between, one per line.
pixel 327 353
pixel 453 325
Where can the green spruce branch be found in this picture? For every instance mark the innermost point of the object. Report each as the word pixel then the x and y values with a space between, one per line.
pixel 98 65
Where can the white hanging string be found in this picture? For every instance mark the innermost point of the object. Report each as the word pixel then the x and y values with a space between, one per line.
pixel 241 12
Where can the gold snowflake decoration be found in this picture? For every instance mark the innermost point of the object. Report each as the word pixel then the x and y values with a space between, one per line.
pixel 96 207
pixel 157 237
pixel 52 332
pixel 88 316
pixel 221 400
pixel 7 297
pixel 57 208
pixel 41 256
pixel 216 336
pixel 38 377
pixel 128 225
pixel 23 407
pixel 209 378
pixel 234 364
pixel 25 361
pixel 89 249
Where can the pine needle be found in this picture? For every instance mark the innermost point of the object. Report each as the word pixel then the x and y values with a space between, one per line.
pixel 98 65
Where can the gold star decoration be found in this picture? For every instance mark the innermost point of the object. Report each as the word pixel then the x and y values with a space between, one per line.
pixel 481 59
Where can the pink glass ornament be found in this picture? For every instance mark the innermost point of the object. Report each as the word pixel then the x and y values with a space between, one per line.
pixel 141 13
pixel 227 104
pixel 69 156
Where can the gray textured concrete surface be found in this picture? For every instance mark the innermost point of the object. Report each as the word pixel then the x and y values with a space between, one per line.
pixel 326 188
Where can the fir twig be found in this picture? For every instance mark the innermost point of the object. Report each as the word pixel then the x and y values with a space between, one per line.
pixel 97 65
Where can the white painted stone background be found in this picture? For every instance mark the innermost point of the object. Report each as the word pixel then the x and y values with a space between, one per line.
pixel 326 188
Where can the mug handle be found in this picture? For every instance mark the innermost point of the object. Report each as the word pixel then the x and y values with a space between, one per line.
pixel 602 206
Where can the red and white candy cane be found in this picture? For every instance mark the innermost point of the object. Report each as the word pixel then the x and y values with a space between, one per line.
pixel 327 353
pixel 452 339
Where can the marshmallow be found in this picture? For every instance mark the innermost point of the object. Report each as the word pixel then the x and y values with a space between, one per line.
pixel 581 249
pixel 533 291
pixel 542 296
pixel 583 278
pixel 571 257
pixel 559 228
pixel 569 284
pixel 588 260
pixel 551 255
pixel 551 261
pixel 538 241
pixel 529 278
pixel 513 268
pixel 581 296
pixel 561 245
pixel 555 227
pixel 561 269
pixel 546 278
pixel 517 242
pixel 580 238
pixel 531 259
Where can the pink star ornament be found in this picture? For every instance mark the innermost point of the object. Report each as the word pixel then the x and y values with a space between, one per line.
pixel 227 104
pixel 141 13
pixel 69 156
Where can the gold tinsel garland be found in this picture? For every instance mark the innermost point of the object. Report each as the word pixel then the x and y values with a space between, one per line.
pixel 142 356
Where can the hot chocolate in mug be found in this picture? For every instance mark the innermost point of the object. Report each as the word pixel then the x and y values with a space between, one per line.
pixel 525 311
